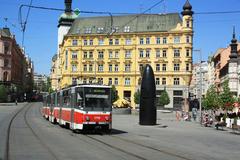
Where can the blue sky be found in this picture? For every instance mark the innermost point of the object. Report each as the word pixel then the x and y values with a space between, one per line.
pixel 210 31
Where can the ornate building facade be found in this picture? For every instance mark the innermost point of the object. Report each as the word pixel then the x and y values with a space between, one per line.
pixel 114 50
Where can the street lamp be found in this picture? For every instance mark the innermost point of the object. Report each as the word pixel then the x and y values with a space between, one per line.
pixel 200 70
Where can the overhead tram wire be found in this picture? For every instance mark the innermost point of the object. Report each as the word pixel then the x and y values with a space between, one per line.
pixel 24 24
pixel 217 12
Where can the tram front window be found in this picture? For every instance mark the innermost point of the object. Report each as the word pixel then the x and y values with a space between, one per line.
pixel 97 98
pixel 97 101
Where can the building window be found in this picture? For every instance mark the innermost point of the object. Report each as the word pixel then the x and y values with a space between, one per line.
pixel 100 55
pixel 90 68
pixel 127 67
pixel 100 67
pixel 66 60
pixel 116 54
pixel 157 67
pixel 176 39
pixel 116 41
pixel 147 53
pixel 176 67
pixel 127 81
pixel 128 54
pixel 164 53
pixel 188 23
pixel 100 80
pixel 85 42
pixel 74 81
pixel 176 81
pixel 140 67
pixel 115 81
pixel 110 68
pixel 100 30
pixel 164 67
pixel 85 54
pixel 110 54
pixel 6 48
pixel 187 67
pixel 164 81
pixel 141 54
pixel 141 41
pixel 128 41
pixel 74 68
pixel 148 40
pixel 74 42
pixel 176 53
pixel 84 80
pixel 110 41
pixel 157 53
pixel 85 67
pixel 109 81
pixel 90 42
pixel 74 55
pixel 90 81
pixel 187 39
pixel 164 40
pixel 157 81
pixel 187 52
pixel 100 42
pixel 6 62
pixel 90 54
pixel 158 40
pixel 127 29
pixel 116 67
pixel 88 30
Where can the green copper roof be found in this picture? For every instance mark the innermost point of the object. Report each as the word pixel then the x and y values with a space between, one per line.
pixel 136 23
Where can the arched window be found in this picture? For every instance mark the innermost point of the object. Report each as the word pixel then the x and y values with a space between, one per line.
pixel 5 76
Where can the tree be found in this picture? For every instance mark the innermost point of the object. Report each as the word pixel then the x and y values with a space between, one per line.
pixel 3 93
pixel 211 100
pixel 164 98
pixel 114 94
pixel 137 97
pixel 226 97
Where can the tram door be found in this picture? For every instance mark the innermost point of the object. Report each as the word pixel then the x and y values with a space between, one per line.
pixel 73 104
pixel 60 109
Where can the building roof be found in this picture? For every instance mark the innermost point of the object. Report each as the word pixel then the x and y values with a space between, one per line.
pixel 5 32
pixel 137 23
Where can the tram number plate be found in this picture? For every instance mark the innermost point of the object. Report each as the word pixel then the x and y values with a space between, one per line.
pixel 97 118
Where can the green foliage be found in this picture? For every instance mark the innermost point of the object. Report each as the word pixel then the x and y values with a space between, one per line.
pixel 137 97
pixel 114 95
pixel 226 97
pixel 3 93
pixel 211 100
pixel 164 98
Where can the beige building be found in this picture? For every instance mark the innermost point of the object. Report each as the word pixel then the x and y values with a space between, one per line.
pixel 114 52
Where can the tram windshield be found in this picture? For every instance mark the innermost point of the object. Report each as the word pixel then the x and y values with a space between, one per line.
pixel 97 97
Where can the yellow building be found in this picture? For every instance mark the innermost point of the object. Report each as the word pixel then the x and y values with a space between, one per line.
pixel 113 51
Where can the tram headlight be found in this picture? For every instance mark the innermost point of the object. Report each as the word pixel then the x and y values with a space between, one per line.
pixel 87 118
pixel 107 118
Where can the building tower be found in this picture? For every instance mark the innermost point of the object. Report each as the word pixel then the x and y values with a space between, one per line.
pixel 187 16
pixel 233 65
pixel 65 21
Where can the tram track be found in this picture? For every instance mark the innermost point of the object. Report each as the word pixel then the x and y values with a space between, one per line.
pixel 26 121
pixel 152 148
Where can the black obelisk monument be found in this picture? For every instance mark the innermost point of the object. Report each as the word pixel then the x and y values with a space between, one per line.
pixel 148 112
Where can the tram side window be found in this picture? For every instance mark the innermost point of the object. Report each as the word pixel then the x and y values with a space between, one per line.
pixel 49 101
pixel 58 99
pixel 79 97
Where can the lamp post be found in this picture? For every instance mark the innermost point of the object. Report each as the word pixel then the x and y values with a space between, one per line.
pixel 200 87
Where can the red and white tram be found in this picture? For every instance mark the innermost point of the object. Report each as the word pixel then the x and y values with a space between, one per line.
pixel 80 107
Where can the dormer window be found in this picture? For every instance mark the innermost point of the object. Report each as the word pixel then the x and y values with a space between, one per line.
pixel 88 30
pixel 100 30
pixel 127 29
